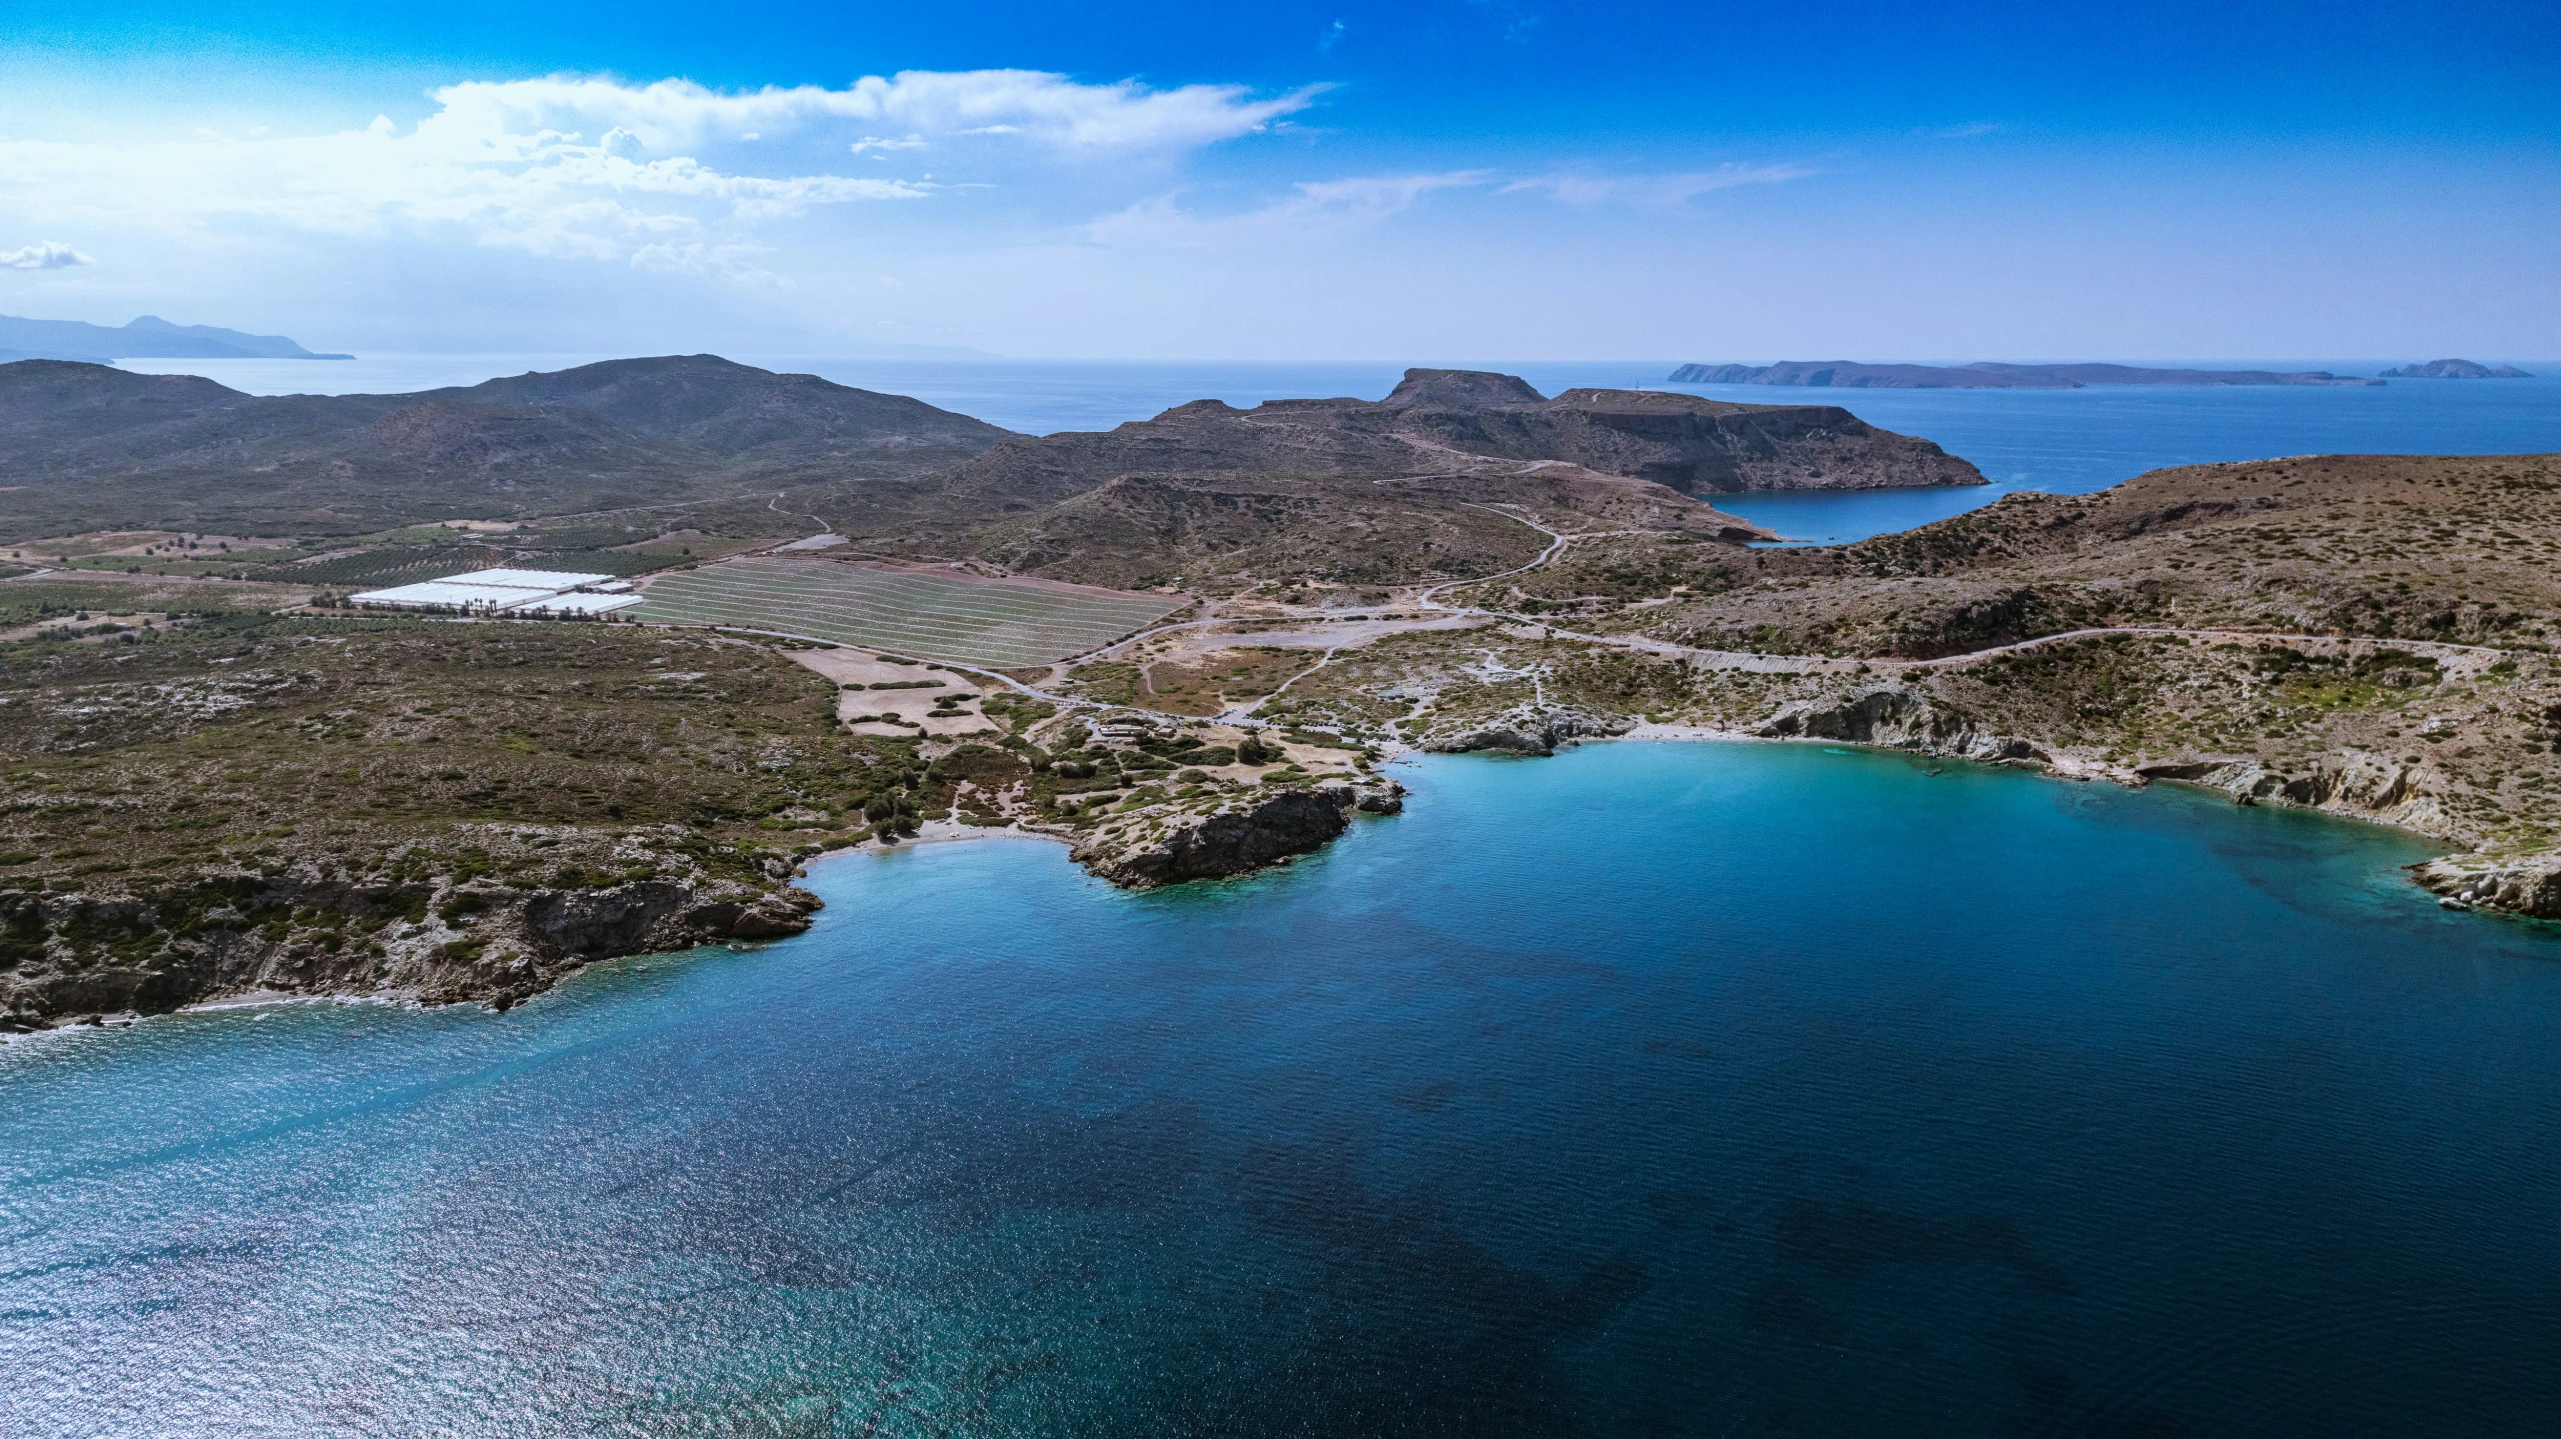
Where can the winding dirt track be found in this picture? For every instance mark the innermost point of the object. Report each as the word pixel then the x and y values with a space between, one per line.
pixel 1372 624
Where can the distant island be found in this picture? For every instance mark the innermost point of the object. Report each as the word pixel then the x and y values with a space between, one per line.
pixel 146 338
pixel 1989 375
pixel 2456 370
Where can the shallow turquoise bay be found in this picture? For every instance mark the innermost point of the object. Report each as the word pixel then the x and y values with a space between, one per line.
pixel 1650 1089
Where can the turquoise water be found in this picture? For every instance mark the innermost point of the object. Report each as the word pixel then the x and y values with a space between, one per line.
pixel 1650 1089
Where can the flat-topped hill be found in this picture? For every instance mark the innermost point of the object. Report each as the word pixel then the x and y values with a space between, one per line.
pixel 1371 492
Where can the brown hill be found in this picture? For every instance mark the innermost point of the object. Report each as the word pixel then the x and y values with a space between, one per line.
pixel 88 446
pixel 1370 492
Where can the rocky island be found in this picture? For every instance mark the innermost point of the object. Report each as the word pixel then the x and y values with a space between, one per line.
pixel 217 777
pixel 147 337
pixel 2456 370
pixel 1989 375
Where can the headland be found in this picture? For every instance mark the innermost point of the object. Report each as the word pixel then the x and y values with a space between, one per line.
pixel 1186 647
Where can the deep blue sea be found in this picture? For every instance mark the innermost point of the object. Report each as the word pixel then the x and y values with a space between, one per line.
pixel 1646 1090
pixel 2061 441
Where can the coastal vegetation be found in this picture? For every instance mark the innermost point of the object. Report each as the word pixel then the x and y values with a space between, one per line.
pixel 215 777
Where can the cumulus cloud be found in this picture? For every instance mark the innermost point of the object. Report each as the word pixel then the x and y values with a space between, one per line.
pixel 598 168
pixel 1656 191
pixel 1313 207
pixel 47 255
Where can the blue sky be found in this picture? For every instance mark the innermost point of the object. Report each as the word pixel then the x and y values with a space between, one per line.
pixel 1487 178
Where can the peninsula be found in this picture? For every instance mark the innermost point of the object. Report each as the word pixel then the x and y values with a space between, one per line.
pixel 146 338
pixel 1187 647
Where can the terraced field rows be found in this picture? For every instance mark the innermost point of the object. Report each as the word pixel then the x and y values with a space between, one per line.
pixel 989 622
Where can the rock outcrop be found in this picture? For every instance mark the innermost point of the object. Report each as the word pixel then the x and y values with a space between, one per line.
pixel 2527 884
pixel 67 956
pixel 1532 730
pixel 1895 718
pixel 1241 834
pixel 2355 783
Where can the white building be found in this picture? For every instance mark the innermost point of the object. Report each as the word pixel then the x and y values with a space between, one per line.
pixel 503 591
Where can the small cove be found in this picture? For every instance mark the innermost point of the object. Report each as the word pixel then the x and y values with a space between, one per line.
pixel 1678 1088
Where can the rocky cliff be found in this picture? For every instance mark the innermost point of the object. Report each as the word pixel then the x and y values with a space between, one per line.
pixel 297 931
pixel 1533 729
pixel 2517 883
pixel 1232 835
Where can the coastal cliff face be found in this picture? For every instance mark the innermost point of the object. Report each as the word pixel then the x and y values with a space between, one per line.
pixel 1525 730
pixel 2461 768
pixel 1236 836
pixel 438 811
pixel 2526 884
pixel 65 957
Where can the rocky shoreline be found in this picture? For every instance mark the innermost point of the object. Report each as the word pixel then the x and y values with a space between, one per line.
pixel 76 957
pixel 2352 784
pixel 299 933
pixel 1238 835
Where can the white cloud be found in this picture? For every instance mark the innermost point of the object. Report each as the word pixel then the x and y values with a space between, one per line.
pixel 1330 206
pixel 1057 111
pixel 1656 191
pixel 732 261
pixel 1315 207
pixel 598 168
pixel 49 255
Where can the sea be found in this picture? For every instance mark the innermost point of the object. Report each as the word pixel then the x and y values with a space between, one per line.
pixel 2058 441
pixel 1650 1089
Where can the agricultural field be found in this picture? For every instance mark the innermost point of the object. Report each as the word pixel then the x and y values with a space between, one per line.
pixel 32 599
pixel 940 616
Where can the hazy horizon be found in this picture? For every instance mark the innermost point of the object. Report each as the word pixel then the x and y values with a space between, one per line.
pixel 1299 182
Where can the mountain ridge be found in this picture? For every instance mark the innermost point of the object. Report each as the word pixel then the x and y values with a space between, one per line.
pixel 84 444
pixel 1366 492
pixel 145 337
